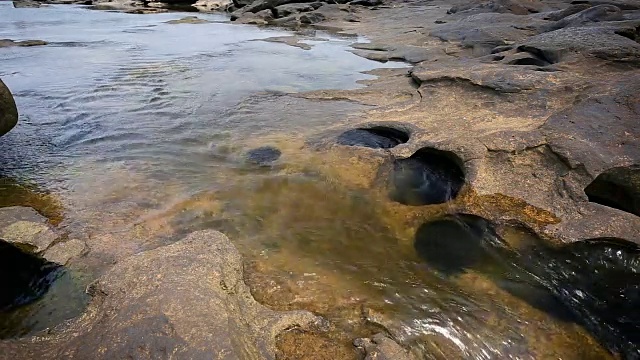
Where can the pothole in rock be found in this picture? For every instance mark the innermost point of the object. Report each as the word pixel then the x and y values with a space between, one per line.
pixel 593 283
pixel 377 137
pixel 618 188
pixel 36 294
pixel 428 177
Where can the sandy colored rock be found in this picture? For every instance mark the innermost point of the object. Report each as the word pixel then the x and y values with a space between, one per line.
pixel 185 300
pixel 63 252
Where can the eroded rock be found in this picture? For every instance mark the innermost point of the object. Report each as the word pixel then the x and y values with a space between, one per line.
pixel 618 188
pixel 185 300
pixel 375 137
pixel 188 20
pixel 428 177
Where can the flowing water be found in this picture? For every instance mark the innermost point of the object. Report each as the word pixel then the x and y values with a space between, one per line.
pixel 139 128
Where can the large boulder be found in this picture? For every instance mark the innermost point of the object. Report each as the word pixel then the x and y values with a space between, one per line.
pixel 8 110
pixel 186 300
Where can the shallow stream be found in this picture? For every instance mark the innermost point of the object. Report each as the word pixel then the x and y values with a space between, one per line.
pixel 134 132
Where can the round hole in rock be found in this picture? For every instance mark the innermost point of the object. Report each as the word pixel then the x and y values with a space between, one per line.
pixel 36 294
pixel 428 177
pixel 263 156
pixel 455 243
pixel 376 137
pixel 618 188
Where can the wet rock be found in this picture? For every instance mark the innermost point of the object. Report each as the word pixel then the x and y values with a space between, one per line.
pixel 618 188
pixel 428 177
pixel 24 43
pixel 376 137
pixel 185 300
pixel 8 110
pixel 61 253
pixel 380 347
pixel 263 156
pixel 289 40
pixel 188 20
pixel 38 236
pixel 24 277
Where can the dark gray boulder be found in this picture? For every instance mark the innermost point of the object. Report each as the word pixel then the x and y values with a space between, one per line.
pixel 8 110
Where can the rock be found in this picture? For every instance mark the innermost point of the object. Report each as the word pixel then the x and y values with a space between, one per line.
pixel 38 236
pixel 212 5
pixel 25 43
pixel 259 18
pixel 380 347
pixel 428 177
pixel 61 253
pixel 289 40
pixel 561 14
pixel 598 41
pixel 366 2
pixel 591 15
pixel 376 137
pixel 295 8
pixel 263 156
pixel 13 214
pixel 311 18
pixel 26 4
pixel 492 76
pixel 622 4
pixel 8 110
pixel 188 20
pixel 260 5
pixel 184 300
pixel 497 6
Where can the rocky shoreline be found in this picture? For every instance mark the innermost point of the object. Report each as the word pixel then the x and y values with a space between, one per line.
pixel 535 104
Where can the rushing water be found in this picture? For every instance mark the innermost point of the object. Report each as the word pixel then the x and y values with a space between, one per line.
pixel 139 128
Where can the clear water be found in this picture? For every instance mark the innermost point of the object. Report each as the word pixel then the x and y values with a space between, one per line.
pixel 137 128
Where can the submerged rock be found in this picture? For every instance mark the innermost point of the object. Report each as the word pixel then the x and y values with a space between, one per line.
pixel 185 300
pixel 25 43
pixel 263 156
pixel 188 20
pixel 8 110
pixel 24 277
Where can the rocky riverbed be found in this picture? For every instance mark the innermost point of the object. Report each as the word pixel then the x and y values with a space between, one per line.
pixel 482 203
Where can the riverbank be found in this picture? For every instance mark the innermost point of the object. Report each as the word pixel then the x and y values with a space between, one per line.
pixel 500 91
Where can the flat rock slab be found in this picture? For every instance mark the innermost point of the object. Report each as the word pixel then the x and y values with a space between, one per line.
pixel 186 300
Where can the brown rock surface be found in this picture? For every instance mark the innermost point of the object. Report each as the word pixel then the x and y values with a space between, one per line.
pixel 185 300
